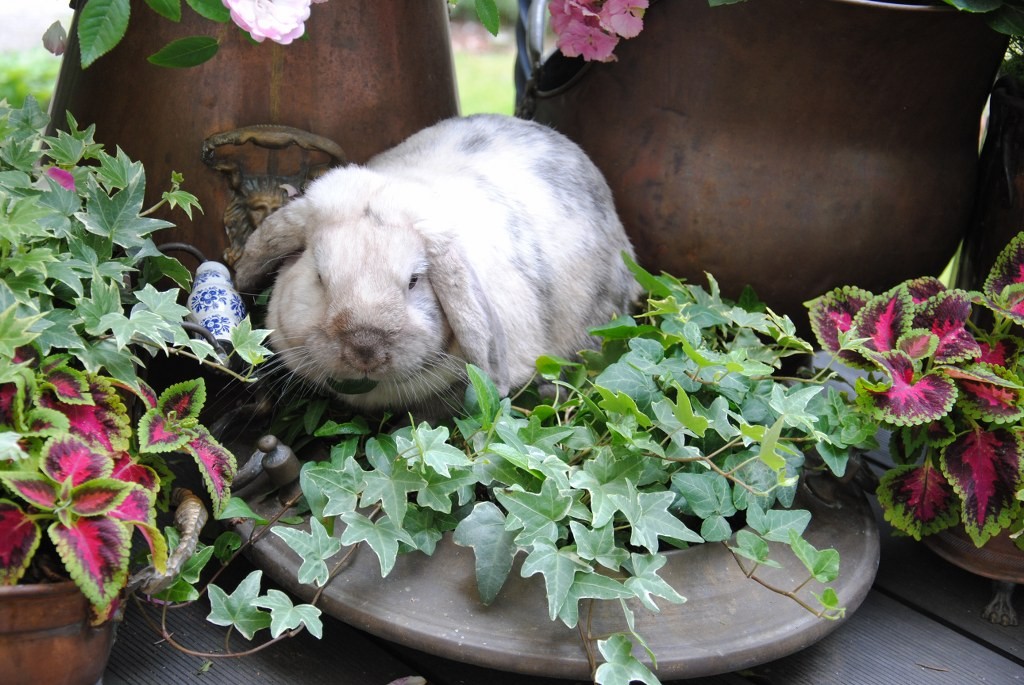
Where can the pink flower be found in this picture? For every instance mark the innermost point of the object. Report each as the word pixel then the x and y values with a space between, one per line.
pixel 282 21
pixel 623 17
pixel 63 177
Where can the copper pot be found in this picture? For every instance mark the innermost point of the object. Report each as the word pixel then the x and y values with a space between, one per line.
pixel 368 75
pixel 793 145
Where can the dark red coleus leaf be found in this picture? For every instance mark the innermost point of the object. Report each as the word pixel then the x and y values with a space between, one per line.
pixel 138 509
pixel 909 398
pixel 8 396
pixel 988 393
pixel 1000 351
pixel 71 458
pixel 910 444
pixel 33 487
pixel 945 316
pixel 19 538
pixel 884 319
pixel 104 421
pixel 216 463
pixel 157 433
pixel 985 468
pixel 924 288
pixel 130 471
pixel 95 552
pixel 68 385
pixel 1004 286
pixel 97 497
pixel 917 499
pixel 833 314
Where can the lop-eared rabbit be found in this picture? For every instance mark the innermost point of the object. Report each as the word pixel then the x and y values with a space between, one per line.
pixel 485 239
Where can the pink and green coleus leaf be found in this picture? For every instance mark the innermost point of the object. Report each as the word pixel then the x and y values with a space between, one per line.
pixel 95 552
pixel 917 499
pixel 68 385
pixel 216 463
pixel 909 397
pixel 183 400
pixel 1004 286
pixel 918 344
pixel 986 469
pixel 138 509
pixel 884 319
pixel 158 434
pixel 19 539
pixel 908 443
pixel 73 459
pixel 988 393
pixel 105 421
pixel 832 314
pixel 131 471
pixel 46 422
pixel 945 316
pixel 1000 350
pixel 33 487
pixel 97 497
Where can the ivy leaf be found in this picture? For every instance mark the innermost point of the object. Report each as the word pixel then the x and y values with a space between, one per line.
pixel 620 666
pixel 986 468
pixel 537 513
pixel 238 508
pixel 330 490
pixel 589 585
pixel 645 581
pixel 494 547
pixel 239 609
pixel 707 494
pixel 284 615
pixel 598 544
pixel 484 396
pixel 823 564
pixel 606 475
pixel 775 524
pixel 314 548
pixel 432 447
pixel 752 546
pixel 650 519
pixel 101 26
pixel 382 536
pixel 558 568
pixel 391 490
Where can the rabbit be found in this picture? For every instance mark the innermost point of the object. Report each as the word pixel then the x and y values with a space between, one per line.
pixel 485 239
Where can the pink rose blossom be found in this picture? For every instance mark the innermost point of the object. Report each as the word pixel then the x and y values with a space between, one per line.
pixel 63 177
pixel 282 21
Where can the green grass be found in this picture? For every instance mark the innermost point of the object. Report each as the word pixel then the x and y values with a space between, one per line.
pixel 32 72
pixel 485 81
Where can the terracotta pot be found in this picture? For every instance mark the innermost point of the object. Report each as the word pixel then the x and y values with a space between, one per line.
pixel 46 637
pixel 369 75
pixel 794 145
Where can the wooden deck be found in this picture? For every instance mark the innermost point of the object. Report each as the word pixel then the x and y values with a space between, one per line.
pixel 920 623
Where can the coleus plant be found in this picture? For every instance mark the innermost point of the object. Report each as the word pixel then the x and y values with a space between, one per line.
pixel 77 469
pixel 944 375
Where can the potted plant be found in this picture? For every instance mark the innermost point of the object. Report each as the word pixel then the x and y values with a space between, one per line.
pixel 679 431
pixel 84 442
pixel 944 374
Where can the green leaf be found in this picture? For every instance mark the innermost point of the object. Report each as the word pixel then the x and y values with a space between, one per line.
pixel 314 548
pixel 432 447
pixel 650 519
pixel 823 564
pixel 707 494
pixel 183 589
pixel 598 544
pixel 330 490
pixel 391 490
pixel 776 524
pixel 494 548
pixel 558 568
pixel 487 11
pixel 645 583
pixel 537 513
pixel 185 52
pixel 284 615
pixel 214 10
pixel 169 9
pixel 101 26
pixel 620 666
pixel 753 547
pixel 589 585
pixel 382 536
pixel 238 508
pixel 239 609
pixel 484 394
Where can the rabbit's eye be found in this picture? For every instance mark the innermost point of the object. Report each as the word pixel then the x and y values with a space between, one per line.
pixel 413 280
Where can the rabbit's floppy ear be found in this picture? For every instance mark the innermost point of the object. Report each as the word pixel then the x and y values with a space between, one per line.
pixel 281 234
pixel 470 314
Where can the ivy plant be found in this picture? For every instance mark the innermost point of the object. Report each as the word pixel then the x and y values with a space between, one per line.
pixel 680 430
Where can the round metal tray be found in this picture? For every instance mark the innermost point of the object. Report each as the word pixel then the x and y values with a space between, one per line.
pixel 729 622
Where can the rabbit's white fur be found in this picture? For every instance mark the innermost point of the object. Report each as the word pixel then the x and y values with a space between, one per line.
pixel 486 239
